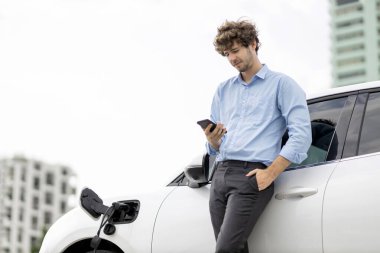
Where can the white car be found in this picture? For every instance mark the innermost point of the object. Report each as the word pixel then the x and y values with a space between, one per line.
pixel 329 203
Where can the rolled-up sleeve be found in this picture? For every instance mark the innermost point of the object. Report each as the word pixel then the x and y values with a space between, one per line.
pixel 210 149
pixel 214 117
pixel 293 106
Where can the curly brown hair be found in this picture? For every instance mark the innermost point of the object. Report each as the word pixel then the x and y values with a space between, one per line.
pixel 242 31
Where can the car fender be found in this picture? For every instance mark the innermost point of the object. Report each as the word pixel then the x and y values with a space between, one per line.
pixel 78 225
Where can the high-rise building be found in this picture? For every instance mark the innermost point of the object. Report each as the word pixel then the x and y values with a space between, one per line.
pixel 355 37
pixel 33 194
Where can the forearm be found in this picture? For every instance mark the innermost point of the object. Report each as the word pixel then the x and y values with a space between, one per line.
pixel 266 176
pixel 278 166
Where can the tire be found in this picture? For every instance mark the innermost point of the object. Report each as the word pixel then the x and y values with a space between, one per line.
pixel 100 251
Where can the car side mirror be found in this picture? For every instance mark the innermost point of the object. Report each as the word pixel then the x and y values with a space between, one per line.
pixel 197 172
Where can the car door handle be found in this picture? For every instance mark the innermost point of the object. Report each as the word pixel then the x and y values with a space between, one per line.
pixel 298 192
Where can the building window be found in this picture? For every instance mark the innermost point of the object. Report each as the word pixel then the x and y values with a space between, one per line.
pixel 350 48
pixel 63 207
pixel 22 194
pixel 355 73
pixel 33 241
pixel 10 193
pixel 21 214
pixel 11 173
pixel 34 222
pixel 36 183
pixel 64 188
pixel 49 178
pixel 342 2
pixel 8 234
pixel 349 23
pixel 47 218
pixel 348 9
pixel 48 198
pixel 350 61
pixel 19 236
pixel 23 174
pixel 37 166
pixel 351 35
pixel 35 203
pixel 8 213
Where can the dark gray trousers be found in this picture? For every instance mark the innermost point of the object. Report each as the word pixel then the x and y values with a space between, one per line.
pixel 235 205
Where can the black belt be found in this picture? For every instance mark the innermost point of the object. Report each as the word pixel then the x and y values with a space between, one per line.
pixel 237 163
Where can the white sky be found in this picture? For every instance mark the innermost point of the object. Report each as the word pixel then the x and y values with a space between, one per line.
pixel 113 88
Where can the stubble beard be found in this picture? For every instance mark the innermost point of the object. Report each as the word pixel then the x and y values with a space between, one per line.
pixel 243 68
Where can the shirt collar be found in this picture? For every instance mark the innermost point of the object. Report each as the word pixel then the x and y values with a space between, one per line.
pixel 260 74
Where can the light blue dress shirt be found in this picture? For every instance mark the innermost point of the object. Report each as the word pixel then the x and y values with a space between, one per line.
pixel 257 114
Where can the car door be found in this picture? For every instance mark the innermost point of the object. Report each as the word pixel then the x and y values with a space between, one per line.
pixel 351 211
pixel 292 220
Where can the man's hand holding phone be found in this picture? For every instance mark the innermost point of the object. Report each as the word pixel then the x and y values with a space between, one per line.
pixel 214 137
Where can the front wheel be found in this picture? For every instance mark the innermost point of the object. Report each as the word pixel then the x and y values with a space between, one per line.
pixel 100 251
pixel 83 246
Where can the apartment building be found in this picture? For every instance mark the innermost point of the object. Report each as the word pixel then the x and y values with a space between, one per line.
pixel 355 41
pixel 33 194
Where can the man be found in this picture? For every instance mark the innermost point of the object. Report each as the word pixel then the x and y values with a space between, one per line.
pixel 256 107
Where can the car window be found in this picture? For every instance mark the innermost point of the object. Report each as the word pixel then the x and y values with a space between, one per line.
pixel 325 117
pixel 178 180
pixel 370 134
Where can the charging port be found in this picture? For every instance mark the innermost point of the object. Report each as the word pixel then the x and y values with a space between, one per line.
pixel 127 212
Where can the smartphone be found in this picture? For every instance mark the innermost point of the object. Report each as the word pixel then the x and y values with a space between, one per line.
pixel 204 123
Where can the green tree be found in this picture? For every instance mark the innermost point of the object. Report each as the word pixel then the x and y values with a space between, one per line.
pixel 37 246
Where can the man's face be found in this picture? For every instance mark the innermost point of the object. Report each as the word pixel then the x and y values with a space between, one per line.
pixel 242 58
